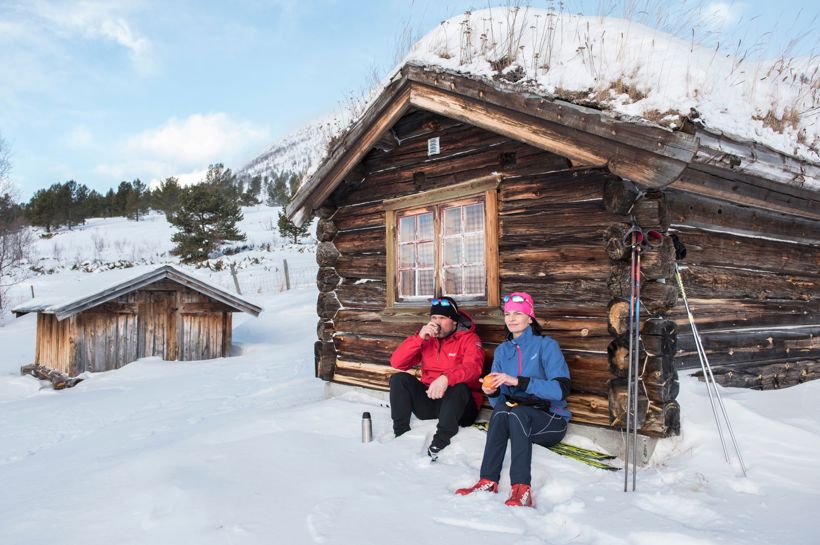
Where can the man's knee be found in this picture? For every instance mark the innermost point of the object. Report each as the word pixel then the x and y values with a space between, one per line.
pixel 459 391
pixel 400 380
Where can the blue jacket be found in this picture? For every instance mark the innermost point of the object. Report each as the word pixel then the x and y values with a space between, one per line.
pixel 540 360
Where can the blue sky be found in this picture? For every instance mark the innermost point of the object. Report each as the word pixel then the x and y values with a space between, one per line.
pixel 104 91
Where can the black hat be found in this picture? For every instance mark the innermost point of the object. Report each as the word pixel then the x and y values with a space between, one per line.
pixel 444 306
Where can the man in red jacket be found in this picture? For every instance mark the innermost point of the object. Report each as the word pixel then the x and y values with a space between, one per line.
pixel 451 360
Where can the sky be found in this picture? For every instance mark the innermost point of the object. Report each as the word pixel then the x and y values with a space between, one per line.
pixel 104 91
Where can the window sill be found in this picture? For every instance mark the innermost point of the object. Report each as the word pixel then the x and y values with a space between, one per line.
pixel 481 314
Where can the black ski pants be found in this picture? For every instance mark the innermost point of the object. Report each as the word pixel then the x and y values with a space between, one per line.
pixel 408 395
pixel 522 426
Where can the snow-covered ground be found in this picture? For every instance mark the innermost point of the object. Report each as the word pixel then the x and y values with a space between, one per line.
pixel 247 450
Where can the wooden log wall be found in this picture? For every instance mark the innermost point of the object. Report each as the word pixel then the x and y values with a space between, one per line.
pixel 752 275
pixel 551 223
pixel 658 412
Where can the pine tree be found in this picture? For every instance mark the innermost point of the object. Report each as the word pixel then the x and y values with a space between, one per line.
pixel 289 229
pixel 134 202
pixel 205 218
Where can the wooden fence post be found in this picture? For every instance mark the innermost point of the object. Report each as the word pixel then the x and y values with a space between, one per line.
pixel 287 275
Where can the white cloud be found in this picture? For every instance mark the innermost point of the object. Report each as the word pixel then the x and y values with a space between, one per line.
pixel 722 14
pixel 185 147
pixel 95 19
pixel 198 139
pixel 79 137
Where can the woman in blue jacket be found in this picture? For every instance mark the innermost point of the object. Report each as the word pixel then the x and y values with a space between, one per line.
pixel 527 388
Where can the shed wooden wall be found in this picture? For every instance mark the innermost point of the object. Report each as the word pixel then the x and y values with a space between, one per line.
pixel 552 245
pixel 164 319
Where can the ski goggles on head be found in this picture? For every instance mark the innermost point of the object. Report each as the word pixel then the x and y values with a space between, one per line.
pixel 442 302
pixel 644 237
pixel 519 302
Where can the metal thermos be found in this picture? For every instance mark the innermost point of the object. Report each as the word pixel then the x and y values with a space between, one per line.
pixel 367 428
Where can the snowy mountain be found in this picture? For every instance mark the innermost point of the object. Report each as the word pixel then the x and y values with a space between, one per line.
pixel 297 152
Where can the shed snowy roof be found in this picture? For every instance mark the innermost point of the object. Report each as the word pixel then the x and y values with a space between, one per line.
pixel 117 283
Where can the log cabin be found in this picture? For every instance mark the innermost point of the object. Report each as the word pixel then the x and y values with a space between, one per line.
pixel 463 185
pixel 164 312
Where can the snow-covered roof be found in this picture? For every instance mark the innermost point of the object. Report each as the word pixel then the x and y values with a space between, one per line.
pixel 109 285
pixel 607 79
pixel 633 70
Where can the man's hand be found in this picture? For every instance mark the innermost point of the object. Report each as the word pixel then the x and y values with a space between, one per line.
pixel 429 330
pixel 438 387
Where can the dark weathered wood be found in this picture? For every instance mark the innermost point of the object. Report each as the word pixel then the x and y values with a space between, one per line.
pixel 755 254
pixel 325 230
pixel 325 212
pixel 327 279
pixel 326 254
pixel 619 196
pixel 618 404
pixel 324 359
pixel 766 376
pixel 656 298
pixel 327 304
pixel 57 379
pixel 753 192
pixel 652 212
pixel 362 293
pixel 732 283
pixel 325 330
pixel 704 212
pixel 361 240
pixel 731 347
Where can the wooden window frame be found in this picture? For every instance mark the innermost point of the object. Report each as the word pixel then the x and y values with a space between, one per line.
pixel 484 187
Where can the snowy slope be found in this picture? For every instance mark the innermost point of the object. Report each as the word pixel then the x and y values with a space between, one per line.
pixel 245 450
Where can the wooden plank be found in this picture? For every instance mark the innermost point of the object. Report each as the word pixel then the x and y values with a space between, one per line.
pixel 705 212
pixel 580 146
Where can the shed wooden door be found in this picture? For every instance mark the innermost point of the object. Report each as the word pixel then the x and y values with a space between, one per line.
pixel 156 320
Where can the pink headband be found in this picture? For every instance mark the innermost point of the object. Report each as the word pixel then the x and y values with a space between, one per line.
pixel 523 304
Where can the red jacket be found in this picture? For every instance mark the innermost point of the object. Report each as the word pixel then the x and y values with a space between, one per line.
pixel 459 356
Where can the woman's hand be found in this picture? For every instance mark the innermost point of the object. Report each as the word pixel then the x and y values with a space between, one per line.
pixel 503 378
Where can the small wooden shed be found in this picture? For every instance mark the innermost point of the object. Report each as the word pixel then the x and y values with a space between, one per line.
pixel 475 187
pixel 164 312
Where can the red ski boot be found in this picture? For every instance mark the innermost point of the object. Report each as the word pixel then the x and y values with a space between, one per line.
pixel 521 496
pixel 483 485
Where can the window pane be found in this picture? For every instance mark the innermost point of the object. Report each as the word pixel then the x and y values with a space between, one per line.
pixel 474 217
pixel 426 286
pixel 452 281
pixel 407 283
pixel 407 228
pixel 407 256
pixel 452 251
pixel 452 221
pixel 425 226
pixel 474 249
pixel 474 280
pixel 426 257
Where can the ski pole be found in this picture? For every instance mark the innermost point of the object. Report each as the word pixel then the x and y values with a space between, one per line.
pixel 635 375
pixel 628 407
pixel 709 378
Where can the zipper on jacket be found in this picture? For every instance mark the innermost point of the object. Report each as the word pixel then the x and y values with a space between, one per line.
pixel 520 364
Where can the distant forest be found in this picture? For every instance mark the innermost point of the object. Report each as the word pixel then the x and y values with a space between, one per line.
pixel 70 203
